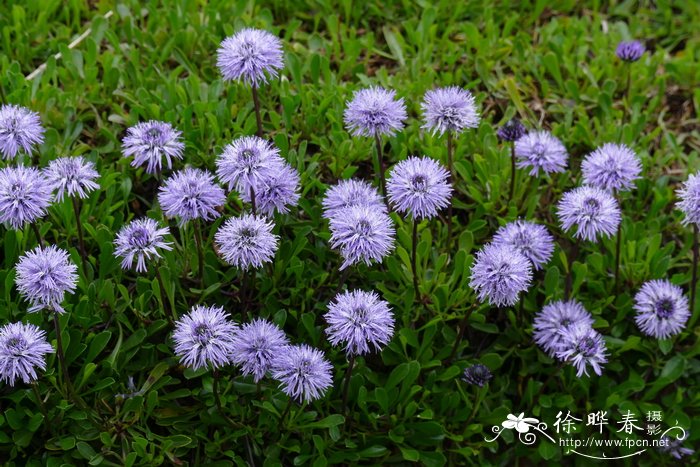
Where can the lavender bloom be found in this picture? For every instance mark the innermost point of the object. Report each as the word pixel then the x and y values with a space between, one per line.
pixel 19 128
pixel 541 150
pixel 673 446
pixel 22 349
pixel 250 55
pixel 256 345
pixel 349 193
pixel 499 274
pixel 149 142
pixel 630 51
pixel 554 319
pixel 24 195
pixel 582 346
pixel 246 241
pixel 191 194
pixel 248 162
pixel 304 372
pixel 44 275
pixel 140 240
pixel 374 111
pixel 513 130
pixel 204 337
pixel 362 234
pixel 477 374
pixel 662 309
pixel 72 175
pixel 594 212
pixel 278 191
pixel 612 167
pixel 419 187
pixel 530 239
pixel 359 319
pixel 449 109
pixel 689 204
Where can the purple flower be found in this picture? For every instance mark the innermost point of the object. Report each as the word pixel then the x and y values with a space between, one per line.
pixel 674 446
pixel 362 233
pixel 630 51
pixel 477 374
pixel 374 111
pixel 277 192
pixel 304 372
pixel 20 128
pixel 149 142
pixel 256 345
pixel 250 55
pixel 44 275
pixel 511 131
pixel 204 337
pixel 419 187
pixel 662 309
pixel 689 204
pixel 530 239
pixel 72 175
pixel 22 350
pixel 140 240
pixel 541 150
pixel 499 274
pixel 246 241
pixel 612 167
pixel 594 212
pixel 349 193
pixel 248 162
pixel 359 320
pixel 556 317
pixel 24 195
pixel 191 194
pixel 449 109
pixel 582 346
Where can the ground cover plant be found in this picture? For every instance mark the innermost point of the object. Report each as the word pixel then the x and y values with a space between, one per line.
pixel 291 233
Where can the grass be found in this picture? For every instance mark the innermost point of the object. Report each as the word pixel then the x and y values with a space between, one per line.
pixel 552 64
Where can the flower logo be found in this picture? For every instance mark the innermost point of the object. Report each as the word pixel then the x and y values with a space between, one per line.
pixel 521 423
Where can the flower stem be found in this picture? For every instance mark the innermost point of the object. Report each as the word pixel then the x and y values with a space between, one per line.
pixel 37 234
pixel 380 162
pixel 343 278
pixel 693 281
pixel 200 251
pixel 346 383
pixel 286 411
pixel 258 119
pixel 460 334
pixel 252 200
pixel 570 273
pixel 452 179
pixel 512 173
pixel 618 244
pixel 414 253
pixel 79 224
pixel 164 297
pixel 61 357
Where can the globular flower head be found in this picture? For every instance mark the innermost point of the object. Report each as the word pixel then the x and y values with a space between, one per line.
pixel 593 211
pixel 532 240
pixel 349 193
pixel 246 241
pixel 673 446
pixel 204 337
pixel 24 195
pixel 419 187
pixel 499 274
pixel 554 318
pixel 689 204
pixel 375 111
pixel 140 240
pixel 22 350
pixel 277 192
pixel 362 234
pixel 20 129
pixel 359 320
pixel 256 345
pixel 630 51
pixel 191 194
pixel 303 372
pixel 477 374
pixel 449 109
pixel 72 176
pixel 513 130
pixel 662 309
pixel 612 167
pixel 149 142
pixel 44 275
pixel 248 162
pixel 251 56
pixel 541 150
pixel 582 346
